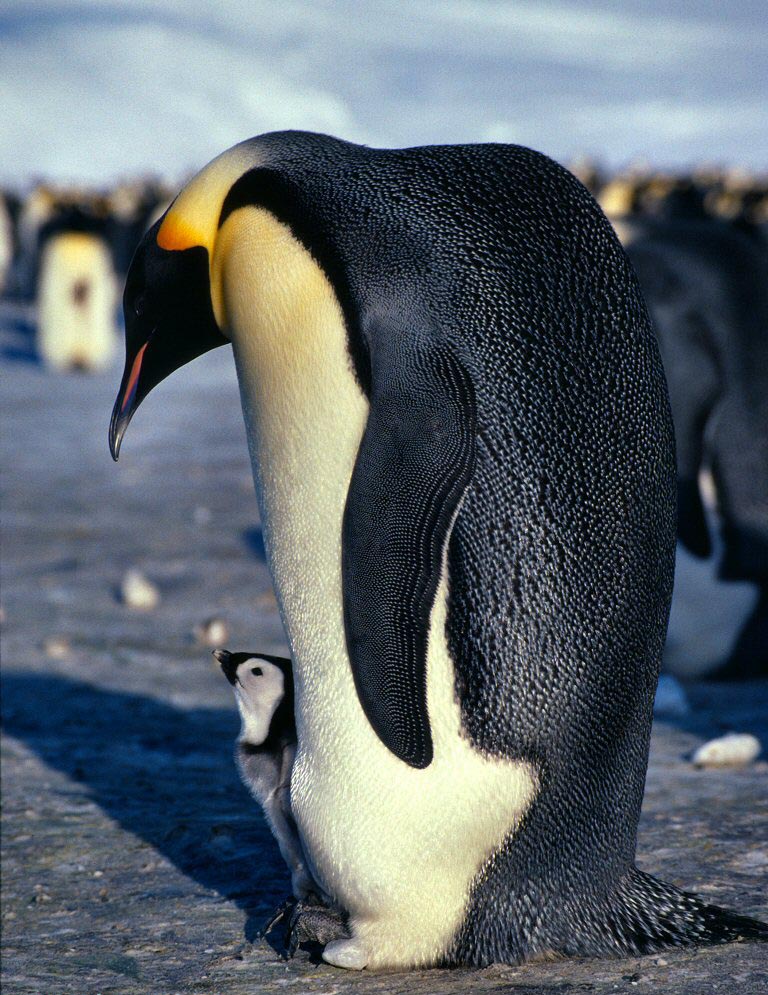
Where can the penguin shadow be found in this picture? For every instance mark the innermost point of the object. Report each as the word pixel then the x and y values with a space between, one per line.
pixel 749 657
pixel 19 341
pixel 719 707
pixel 164 774
pixel 254 541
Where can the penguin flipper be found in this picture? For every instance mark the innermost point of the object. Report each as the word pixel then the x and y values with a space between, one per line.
pixel 414 463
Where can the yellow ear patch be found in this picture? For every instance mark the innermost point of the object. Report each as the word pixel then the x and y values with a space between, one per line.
pixel 193 217
pixel 175 233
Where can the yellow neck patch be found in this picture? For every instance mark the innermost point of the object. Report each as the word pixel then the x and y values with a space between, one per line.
pixel 176 233
pixel 193 217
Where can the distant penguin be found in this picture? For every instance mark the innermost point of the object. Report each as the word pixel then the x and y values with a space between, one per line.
pixel 38 208
pixel 619 197
pixel 6 242
pixel 742 201
pixel 706 285
pixel 76 302
pixel 462 449
pixel 266 747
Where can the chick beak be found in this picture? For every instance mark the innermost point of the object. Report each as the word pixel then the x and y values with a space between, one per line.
pixel 228 665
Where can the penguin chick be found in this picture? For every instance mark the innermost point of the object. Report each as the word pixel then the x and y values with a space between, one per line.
pixel 266 748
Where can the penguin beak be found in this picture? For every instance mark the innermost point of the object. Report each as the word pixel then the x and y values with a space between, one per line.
pixel 228 665
pixel 126 402
pixel 169 321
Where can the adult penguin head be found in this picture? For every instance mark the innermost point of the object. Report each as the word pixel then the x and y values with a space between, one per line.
pixel 169 313
pixel 168 322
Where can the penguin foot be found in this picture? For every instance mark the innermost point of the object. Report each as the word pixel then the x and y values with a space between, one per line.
pixel 277 916
pixel 314 924
pixel 349 954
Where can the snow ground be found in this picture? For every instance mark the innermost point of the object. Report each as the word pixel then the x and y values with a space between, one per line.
pixel 134 863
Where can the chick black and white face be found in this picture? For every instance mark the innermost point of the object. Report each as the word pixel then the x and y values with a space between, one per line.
pixel 259 688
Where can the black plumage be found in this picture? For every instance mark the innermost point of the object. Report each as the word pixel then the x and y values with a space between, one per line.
pixel 519 432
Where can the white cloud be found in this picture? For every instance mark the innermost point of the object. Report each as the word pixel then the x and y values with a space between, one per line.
pixel 95 89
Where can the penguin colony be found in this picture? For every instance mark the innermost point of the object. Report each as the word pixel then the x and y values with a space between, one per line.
pixel 66 249
pixel 120 216
pixel 462 450
pixel 706 285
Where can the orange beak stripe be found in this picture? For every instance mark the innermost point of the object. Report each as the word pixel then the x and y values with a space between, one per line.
pixel 133 380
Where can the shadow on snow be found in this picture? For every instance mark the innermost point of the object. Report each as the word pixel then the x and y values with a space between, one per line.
pixel 146 764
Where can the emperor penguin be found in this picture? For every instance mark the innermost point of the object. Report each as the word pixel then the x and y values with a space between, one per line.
pixel 266 747
pixel 6 241
pixel 264 754
pixel 38 209
pixel 463 456
pixel 706 287
pixel 76 302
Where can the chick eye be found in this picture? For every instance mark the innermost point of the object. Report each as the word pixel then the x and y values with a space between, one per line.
pixel 257 671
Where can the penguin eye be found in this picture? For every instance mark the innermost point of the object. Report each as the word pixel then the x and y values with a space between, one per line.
pixel 138 306
pixel 256 671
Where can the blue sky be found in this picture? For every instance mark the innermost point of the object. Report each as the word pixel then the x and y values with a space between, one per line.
pixel 95 89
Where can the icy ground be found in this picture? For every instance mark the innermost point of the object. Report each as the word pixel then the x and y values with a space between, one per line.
pixel 133 860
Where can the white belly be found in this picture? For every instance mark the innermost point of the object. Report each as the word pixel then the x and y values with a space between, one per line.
pixel 76 303
pixel 397 847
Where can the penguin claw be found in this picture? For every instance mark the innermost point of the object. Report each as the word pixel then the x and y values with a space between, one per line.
pixel 315 924
pixel 277 916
